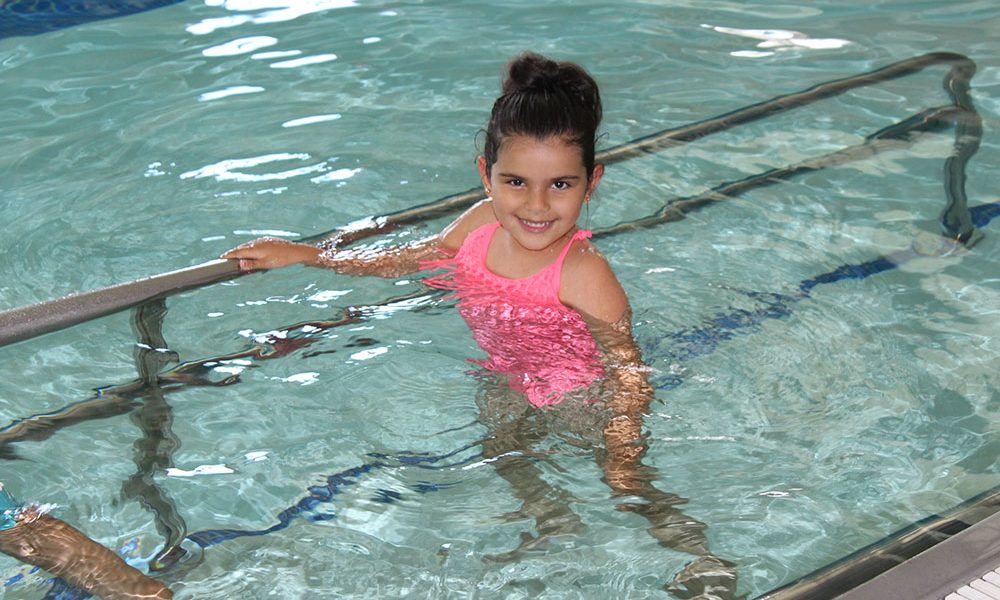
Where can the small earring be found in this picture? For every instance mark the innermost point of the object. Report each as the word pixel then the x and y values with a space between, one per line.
pixel 489 192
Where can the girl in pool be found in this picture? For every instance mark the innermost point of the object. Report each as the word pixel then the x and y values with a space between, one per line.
pixel 543 304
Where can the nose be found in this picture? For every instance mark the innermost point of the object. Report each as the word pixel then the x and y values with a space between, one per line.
pixel 538 200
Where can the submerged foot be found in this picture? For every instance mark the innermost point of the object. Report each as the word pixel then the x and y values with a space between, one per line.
pixel 566 527
pixel 553 520
pixel 529 543
pixel 705 578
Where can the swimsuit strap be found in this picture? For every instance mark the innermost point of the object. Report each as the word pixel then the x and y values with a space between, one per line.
pixel 579 234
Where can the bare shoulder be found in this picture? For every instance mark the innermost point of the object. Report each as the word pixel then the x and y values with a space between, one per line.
pixel 589 284
pixel 454 234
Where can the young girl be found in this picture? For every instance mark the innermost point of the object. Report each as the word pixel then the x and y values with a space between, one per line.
pixel 541 301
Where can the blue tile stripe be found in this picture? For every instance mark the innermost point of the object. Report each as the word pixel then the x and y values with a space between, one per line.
pixel 34 17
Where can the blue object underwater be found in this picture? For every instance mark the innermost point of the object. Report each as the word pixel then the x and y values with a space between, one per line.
pixel 34 17
pixel 8 509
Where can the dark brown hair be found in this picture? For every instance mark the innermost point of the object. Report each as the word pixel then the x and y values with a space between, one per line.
pixel 542 98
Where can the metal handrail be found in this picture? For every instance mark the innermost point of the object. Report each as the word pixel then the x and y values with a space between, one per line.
pixel 23 323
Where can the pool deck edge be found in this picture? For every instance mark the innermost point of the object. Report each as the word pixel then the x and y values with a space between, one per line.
pixel 939 570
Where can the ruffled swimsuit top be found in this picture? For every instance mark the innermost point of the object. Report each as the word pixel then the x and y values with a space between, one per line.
pixel 542 346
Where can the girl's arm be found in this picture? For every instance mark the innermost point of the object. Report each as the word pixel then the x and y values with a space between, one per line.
pixel 391 261
pixel 591 287
pixel 383 261
pixel 631 396
pixel 396 261
pixel 386 261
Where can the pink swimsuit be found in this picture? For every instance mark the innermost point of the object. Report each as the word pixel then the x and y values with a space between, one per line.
pixel 543 347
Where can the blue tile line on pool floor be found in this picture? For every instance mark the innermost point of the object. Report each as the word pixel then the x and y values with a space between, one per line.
pixel 335 484
pixel 695 342
pixel 34 17
pixel 699 341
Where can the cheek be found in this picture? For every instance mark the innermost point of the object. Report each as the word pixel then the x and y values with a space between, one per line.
pixel 502 205
pixel 572 205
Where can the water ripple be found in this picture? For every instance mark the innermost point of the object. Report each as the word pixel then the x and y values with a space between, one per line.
pixel 271 11
pixel 226 170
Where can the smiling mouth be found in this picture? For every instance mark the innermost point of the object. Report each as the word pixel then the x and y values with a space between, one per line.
pixel 535 226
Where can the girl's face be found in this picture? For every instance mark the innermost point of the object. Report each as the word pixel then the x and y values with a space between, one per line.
pixel 538 188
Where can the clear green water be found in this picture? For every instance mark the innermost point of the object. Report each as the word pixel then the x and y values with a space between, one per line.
pixel 129 152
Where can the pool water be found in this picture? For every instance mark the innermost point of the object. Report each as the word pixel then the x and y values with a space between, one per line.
pixel 141 145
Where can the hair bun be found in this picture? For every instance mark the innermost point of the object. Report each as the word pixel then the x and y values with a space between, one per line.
pixel 531 72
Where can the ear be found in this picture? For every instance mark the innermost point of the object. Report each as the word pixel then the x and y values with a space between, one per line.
pixel 484 175
pixel 595 178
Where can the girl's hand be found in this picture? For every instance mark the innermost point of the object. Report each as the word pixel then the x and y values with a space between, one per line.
pixel 271 253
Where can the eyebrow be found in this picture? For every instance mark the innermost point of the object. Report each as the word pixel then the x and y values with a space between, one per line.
pixel 560 178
